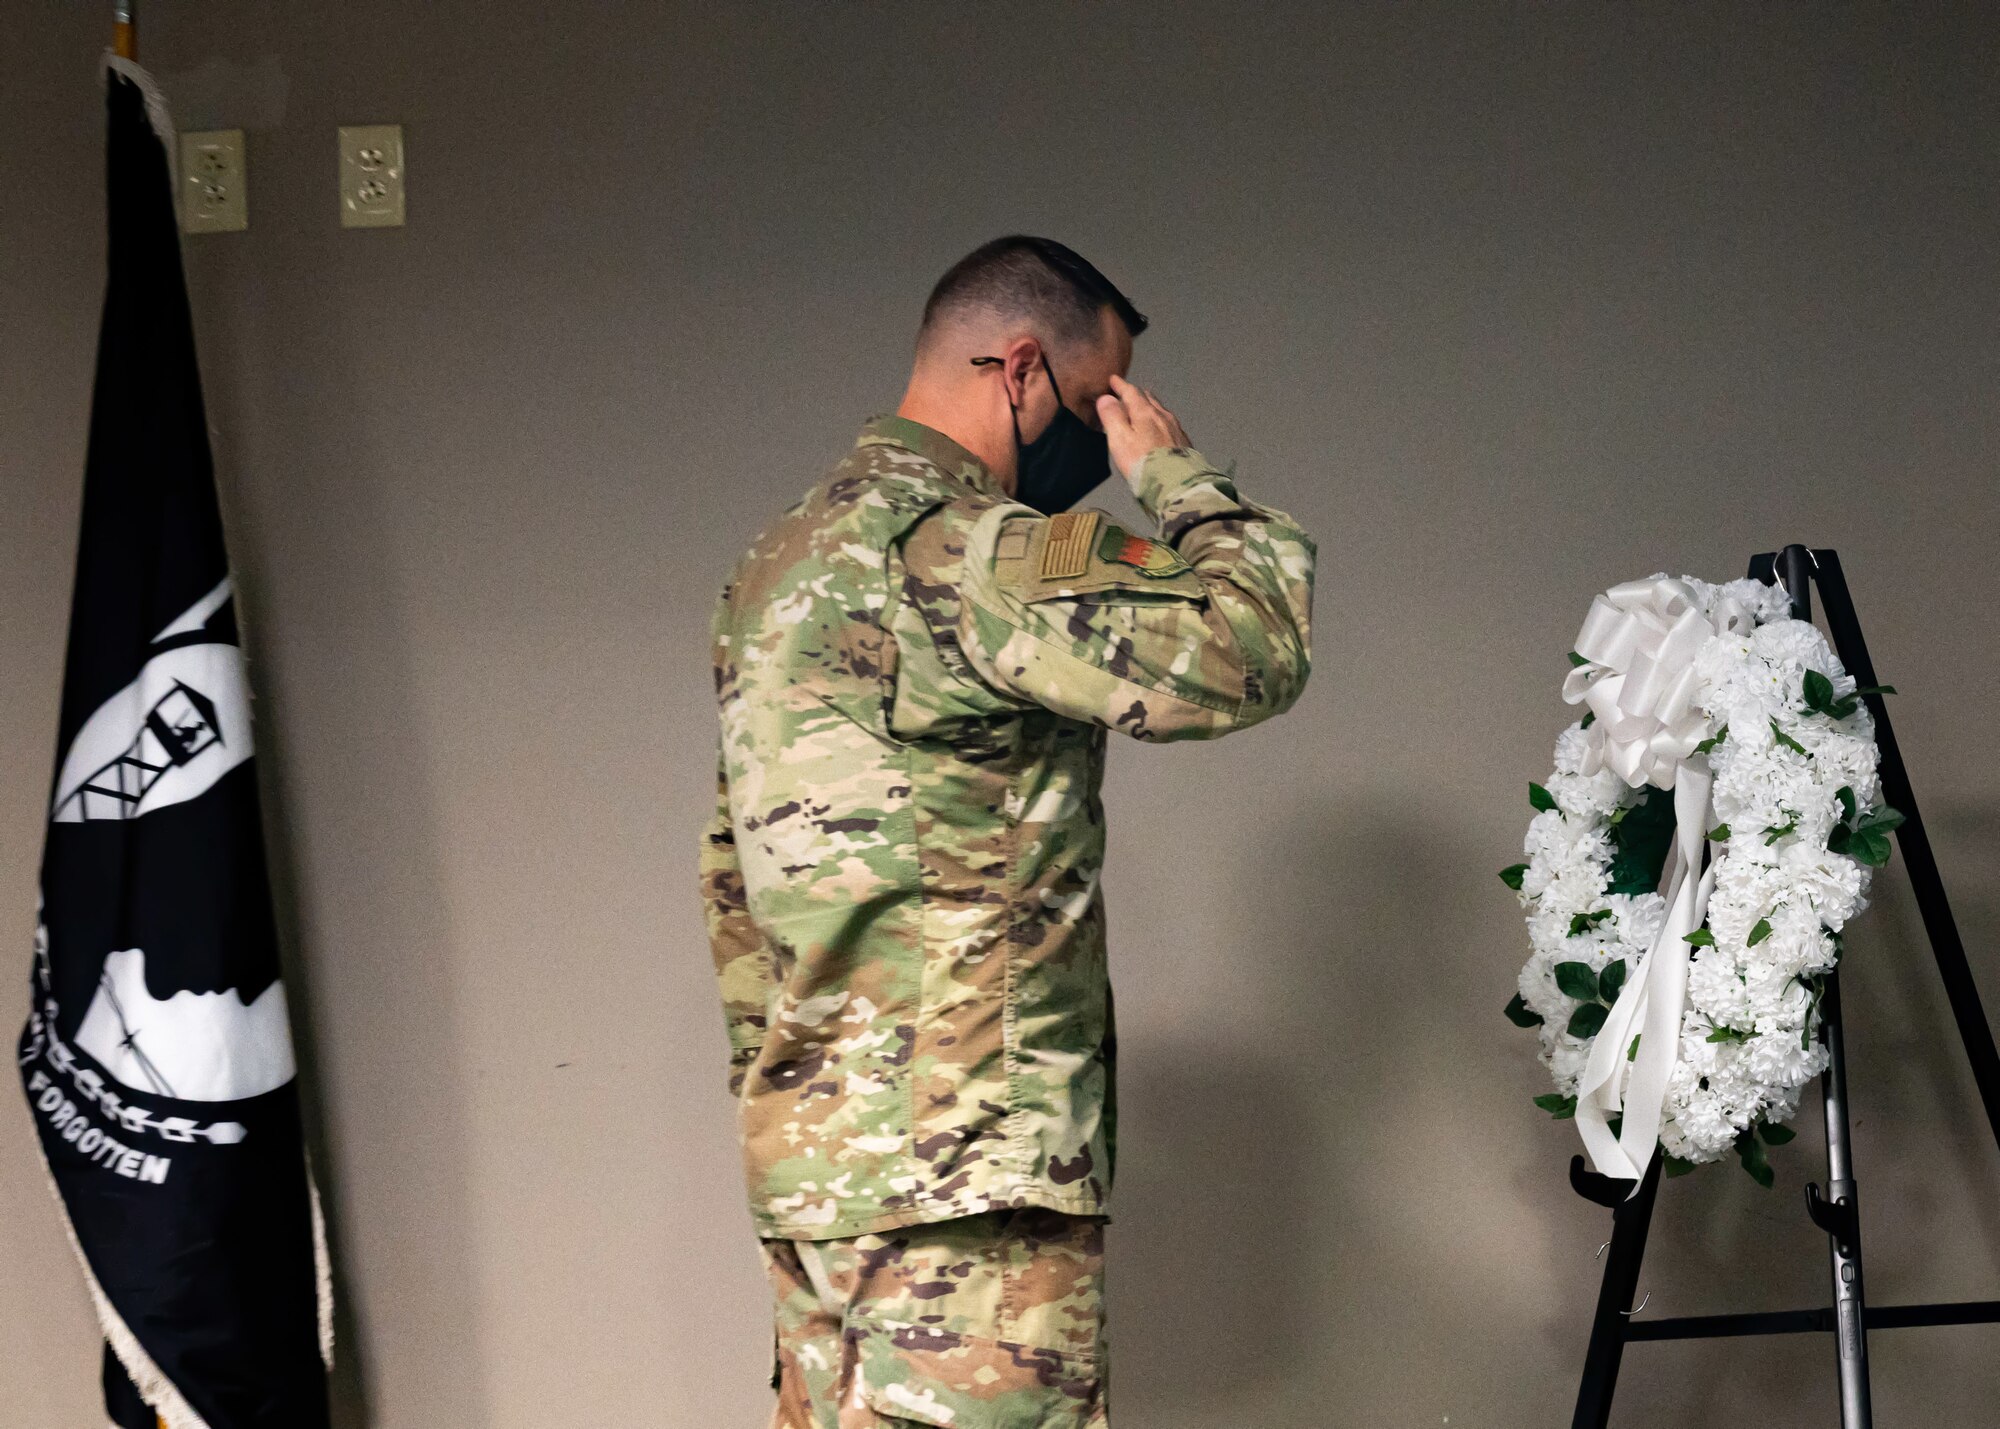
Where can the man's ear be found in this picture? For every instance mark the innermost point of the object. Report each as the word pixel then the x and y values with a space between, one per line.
pixel 1024 356
pixel 1024 360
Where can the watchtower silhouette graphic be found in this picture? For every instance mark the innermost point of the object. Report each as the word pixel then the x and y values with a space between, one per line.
pixel 176 730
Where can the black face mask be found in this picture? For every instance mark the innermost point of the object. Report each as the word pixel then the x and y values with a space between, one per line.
pixel 1065 463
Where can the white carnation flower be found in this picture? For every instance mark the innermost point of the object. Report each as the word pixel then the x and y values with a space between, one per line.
pixel 1587 796
pixel 1795 645
pixel 1547 831
pixel 1571 746
pixel 1638 918
pixel 1783 1057
pixel 1566 1062
pixel 1831 884
pixel 1715 989
pixel 1706 1120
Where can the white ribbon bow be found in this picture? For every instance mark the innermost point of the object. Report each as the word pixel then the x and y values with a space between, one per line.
pixel 1640 640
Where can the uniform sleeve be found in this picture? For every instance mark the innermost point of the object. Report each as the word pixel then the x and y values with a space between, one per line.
pixel 1202 632
pixel 743 962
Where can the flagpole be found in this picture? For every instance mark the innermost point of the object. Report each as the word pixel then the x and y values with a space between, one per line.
pixel 125 44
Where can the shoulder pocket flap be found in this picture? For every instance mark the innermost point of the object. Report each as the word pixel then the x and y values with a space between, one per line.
pixel 1112 588
pixel 918 1375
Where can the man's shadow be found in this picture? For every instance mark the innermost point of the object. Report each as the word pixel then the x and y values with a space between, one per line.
pixel 1354 1216
pixel 1246 1248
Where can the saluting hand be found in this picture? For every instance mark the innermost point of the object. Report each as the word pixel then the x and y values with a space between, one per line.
pixel 1134 424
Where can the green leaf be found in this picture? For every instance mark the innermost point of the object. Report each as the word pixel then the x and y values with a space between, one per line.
pixel 1869 846
pixel 1641 839
pixel 1841 709
pixel 1589 719
pixel 1584 922
pixel 1561 1108
pixel 1728 1034
pixel 1759 933
pixel 1611 979
pixel 1818 692
pixel 1884 818
pixel 1838 838
pixel 1772 835
pixel 1776 1135
pixel 1588 1019
pixel 1541 798
pixel 1719 834
pixel 1787 740
pixel 1632 1052
pixel 1578 980
pixel 1521 1015
pixel 1847 805
pixel 1513 874
pixel 1701 938
pixel 1751 1152
pixel 1708 744
pixel 1577 661
pixel 1674 1166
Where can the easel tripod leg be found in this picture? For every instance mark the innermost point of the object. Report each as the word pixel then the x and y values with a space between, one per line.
pixel 1630 1221
pixel 1841 1219
pixel 1838 1213
pixel 1914 842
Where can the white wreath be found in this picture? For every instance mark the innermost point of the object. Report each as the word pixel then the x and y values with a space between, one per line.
pixel 1688 683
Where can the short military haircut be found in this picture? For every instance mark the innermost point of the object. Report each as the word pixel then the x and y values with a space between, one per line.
pixel 1052 287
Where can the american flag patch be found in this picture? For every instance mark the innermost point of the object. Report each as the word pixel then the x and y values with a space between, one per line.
pixel 1066 553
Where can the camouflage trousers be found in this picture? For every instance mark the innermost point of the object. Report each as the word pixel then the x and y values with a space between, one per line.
pixel 991 1321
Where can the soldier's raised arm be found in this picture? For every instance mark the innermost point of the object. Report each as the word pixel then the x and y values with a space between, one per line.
pixel 1203 631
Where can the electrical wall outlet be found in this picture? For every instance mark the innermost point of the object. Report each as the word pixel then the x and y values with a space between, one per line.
pixel 371 176
pixel 215 184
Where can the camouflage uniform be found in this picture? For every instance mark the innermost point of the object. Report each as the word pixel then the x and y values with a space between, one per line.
pixel 915 677
pixel 994 1321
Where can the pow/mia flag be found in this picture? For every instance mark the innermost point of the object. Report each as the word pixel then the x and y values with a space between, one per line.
pixel 157 1058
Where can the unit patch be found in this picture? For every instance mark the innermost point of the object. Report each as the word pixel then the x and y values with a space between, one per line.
pixel 1149 558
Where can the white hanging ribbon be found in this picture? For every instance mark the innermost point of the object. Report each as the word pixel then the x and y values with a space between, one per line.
pixel 1640 640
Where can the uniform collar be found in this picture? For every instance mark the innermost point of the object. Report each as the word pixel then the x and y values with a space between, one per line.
pixel 886 428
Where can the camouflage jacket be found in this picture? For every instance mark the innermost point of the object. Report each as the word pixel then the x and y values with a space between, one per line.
pixel 915 677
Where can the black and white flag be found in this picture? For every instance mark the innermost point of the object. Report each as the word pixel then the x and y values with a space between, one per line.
pixel 157 1058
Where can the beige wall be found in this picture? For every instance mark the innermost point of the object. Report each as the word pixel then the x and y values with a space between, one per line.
pixel 1506 304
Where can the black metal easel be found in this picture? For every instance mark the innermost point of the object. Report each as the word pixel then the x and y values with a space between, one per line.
pixel 1837 1211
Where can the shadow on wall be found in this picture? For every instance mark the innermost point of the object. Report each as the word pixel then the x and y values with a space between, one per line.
pixel 374 930
pixel 1929 1177
pixel 1216 1305
pixel 1260 1276
pixel 1910 1072
pixel 1293 1245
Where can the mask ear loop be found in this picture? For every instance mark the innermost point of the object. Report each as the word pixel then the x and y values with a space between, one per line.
pixel 1001 362
pixel 1013 412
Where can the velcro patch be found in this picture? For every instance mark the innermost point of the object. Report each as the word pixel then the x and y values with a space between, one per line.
pixel 1149 558
pixel 1066 552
